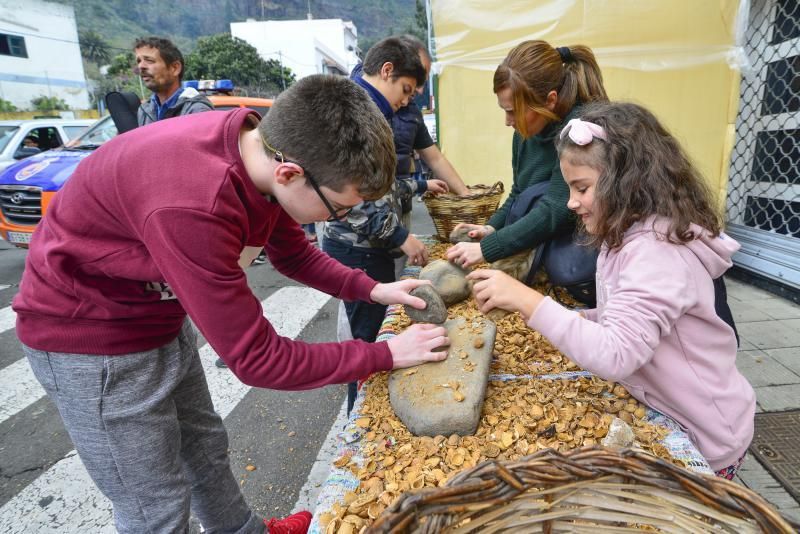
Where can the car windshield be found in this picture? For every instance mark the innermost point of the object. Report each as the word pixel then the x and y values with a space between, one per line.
pixel 74 131
pixel 6 133
pixel 100 132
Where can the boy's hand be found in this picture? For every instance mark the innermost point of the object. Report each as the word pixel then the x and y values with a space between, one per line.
pixel 476 231
pixel 398 293
pixel 415 345
pixel 437 187
pixel 465 254
pixel 415 250
pixel 495 289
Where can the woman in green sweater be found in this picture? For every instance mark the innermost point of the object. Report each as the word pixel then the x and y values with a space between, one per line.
pixel 540 88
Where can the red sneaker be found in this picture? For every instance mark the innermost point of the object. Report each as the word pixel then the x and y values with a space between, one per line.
pixel 294 524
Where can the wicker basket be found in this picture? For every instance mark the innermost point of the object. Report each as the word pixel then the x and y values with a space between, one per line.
pixel 449 210
pixel 584 490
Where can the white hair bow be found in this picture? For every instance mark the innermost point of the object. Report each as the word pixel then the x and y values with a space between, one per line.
pixel 582 132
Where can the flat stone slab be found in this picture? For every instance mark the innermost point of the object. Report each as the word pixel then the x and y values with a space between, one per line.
pixel 446 397
pixel 435 311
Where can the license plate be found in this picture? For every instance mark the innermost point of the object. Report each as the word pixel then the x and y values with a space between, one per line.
pixel 19 237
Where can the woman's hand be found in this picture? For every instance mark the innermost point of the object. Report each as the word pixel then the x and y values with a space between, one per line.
pixel 475 231
pixel 465 254
pixel 495 289
pixel 416 345
pixel 398 293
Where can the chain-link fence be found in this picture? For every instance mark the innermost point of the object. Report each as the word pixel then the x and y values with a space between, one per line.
pixel 763 209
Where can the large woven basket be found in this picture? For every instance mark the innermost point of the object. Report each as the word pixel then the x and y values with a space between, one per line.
pixel 476 208
pixel 586 491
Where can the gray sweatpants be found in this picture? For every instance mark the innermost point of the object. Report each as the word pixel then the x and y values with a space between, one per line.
pixel 145 428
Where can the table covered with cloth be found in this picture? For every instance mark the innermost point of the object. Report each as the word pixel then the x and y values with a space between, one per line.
pixel 351 440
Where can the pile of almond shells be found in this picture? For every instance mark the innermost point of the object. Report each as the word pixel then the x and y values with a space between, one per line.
pixel 519 418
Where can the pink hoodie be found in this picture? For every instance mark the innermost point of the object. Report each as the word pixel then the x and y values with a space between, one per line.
pixel 655 332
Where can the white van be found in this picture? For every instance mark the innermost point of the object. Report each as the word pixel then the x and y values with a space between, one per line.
pixel 21 139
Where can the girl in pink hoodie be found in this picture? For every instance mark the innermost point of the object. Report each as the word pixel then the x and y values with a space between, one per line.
pixel 655 329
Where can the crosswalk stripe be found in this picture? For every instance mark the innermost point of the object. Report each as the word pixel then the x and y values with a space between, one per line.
pixel 289 310
pixel 8 319
pixel 18 388
pixel 65 500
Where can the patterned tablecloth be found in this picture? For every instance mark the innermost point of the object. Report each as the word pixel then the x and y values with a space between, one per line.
pixel 340 481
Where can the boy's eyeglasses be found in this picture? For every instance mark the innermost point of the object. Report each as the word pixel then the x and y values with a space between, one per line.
pixel 336 214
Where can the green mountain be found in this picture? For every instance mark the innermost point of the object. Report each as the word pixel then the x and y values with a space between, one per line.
pixel 184 21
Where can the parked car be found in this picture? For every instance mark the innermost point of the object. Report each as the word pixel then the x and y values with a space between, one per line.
pixel 25 138
pixel 27 187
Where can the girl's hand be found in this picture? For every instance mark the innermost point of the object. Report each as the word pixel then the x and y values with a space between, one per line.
pixel 398 293
pixel 437 187
pixel 495 289
pixel 416 345
pixel 465 254
pixel 476 231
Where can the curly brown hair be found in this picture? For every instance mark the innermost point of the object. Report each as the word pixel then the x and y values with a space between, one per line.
pixel 644 171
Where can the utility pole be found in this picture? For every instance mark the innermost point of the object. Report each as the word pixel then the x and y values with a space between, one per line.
pixel 308 3
pixel 280 61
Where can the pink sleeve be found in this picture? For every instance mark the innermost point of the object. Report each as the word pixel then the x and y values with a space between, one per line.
pixel 197 254
pixel 651 295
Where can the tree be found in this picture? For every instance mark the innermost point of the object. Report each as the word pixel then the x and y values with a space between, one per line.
pixel 224 57
pixel 5 106
pixel 119 76
pixel 122 64
pixel 94 48
pixel 48 103
pixel 420 29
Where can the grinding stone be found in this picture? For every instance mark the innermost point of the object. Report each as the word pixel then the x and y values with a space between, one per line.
pixel 426 406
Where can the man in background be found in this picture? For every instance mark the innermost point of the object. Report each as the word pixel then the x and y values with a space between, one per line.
pixel 160 65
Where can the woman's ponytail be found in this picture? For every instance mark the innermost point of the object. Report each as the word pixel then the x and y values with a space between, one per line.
pixel 583 81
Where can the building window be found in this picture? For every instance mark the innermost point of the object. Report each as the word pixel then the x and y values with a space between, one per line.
pixel 12 45
pixel 787 21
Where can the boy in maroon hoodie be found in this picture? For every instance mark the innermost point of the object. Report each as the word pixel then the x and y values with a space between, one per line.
pixel 156 225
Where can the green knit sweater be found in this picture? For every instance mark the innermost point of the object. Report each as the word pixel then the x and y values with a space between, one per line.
pixel 533 160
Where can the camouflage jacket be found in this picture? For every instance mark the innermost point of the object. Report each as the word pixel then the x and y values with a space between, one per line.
pixel 374 223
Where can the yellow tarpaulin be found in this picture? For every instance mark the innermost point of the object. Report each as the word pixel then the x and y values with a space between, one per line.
pixel 677 57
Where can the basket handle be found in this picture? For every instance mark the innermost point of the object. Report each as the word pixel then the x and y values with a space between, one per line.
pixel 496 188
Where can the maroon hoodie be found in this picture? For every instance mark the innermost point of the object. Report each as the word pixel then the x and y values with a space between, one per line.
pixel 151 227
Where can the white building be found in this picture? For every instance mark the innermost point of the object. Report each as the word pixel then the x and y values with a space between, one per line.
pixel 39 54
pixel 305 46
